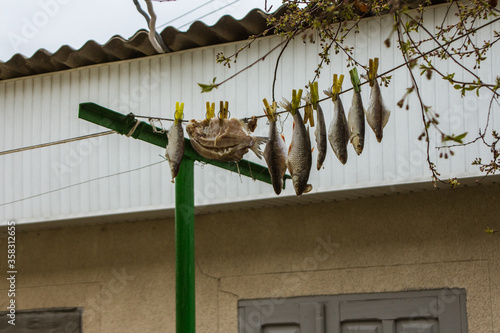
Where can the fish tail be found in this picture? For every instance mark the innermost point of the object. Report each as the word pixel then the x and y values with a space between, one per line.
pixel 256 146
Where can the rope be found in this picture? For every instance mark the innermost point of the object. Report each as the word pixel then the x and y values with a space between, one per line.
pixel 132 130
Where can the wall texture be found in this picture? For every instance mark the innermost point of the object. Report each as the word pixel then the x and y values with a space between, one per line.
pixel 122 274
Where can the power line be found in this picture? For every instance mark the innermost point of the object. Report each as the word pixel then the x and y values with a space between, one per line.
pixel 81 183
pixel 83 137
pixel 214 11
pixel 187 13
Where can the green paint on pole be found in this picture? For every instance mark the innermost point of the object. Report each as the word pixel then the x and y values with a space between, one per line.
pixel 184 248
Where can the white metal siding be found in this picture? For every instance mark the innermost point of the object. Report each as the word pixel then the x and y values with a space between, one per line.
pixel 44 108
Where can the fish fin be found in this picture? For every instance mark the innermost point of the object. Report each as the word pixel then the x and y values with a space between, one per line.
pixel 308 189
pixel 283 137
pixel 290 148
pixel 385 120
pixel 312 149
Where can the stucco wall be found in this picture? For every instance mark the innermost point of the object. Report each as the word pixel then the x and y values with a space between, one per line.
pixel 123 273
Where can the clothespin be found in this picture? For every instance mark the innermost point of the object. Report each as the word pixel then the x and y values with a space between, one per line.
pixel 210 110
pixel 179 112
pixel 270 110
pixel 314 95
pixel 308 114
pixel 296 100
pixel 224 110
pixel 372 71
pixel 355 80
pixel 337 86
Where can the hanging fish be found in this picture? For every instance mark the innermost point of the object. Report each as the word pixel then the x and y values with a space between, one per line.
pixel 356 117
pixel 275 151
pixel 377 115
pixel 338 133
pixel 223 139
pixel 299 158
pixel 320 132
pixel 175 146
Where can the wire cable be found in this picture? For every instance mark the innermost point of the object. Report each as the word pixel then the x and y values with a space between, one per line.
pixel 81 183
pixel 83 137
pixel 214 11
pixel 187 13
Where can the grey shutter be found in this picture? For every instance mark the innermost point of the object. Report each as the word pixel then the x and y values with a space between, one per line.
pixel 281 316
pixel 411 312
pixel 431 311
pixel 65 320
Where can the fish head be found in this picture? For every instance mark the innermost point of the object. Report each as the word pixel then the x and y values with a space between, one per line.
pixel 357 144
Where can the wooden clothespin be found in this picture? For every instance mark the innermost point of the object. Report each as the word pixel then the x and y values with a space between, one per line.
pixel 372 71
pixel 337 86
pixel 296 100
pixel 270 110
pixel 355 79
pixel 224 110
pixel 179 112
pixel 210 110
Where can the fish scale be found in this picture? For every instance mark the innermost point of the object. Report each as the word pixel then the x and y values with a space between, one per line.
pixel 338 134
pixel 356 122
pixel 377 115
pixel 275 155
pixel 299 160
pixel 175 148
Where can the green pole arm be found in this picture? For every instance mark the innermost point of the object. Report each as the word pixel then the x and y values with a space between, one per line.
pixel 184 248
pixel 123 124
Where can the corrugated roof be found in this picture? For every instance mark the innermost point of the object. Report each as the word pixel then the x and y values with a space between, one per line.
pixel 226 30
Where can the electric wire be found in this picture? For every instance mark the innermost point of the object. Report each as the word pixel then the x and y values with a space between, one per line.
pixel 214 11
pixel 80 183
pixel 187 13
pixel 48 144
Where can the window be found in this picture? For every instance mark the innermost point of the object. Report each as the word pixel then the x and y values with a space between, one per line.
pixel 430 311
pixel 65 320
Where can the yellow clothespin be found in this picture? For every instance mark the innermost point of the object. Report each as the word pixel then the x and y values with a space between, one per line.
pixel 210 110
pixel 179 112
pixel 296 100
pixel 337 86
pixel 314 95
pixel 224 110
pixel 308 114
pixel 372 71
pixel 270 110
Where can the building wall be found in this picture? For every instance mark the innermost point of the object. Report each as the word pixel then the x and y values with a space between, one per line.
pixel 105 175
pixel 123 275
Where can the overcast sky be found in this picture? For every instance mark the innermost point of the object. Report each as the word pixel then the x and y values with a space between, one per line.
pixel 29 25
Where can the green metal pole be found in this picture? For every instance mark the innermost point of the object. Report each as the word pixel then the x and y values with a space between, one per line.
pixel 184 248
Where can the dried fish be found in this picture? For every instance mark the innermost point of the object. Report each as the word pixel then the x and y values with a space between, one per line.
pixel 338 133
pixel 377 115
pixel 175 148
pixel 356 123
pixel 319 133
pixel 275 155
pixel 299 159
pixel 223 139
